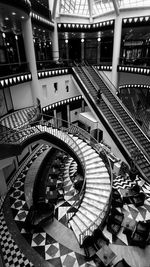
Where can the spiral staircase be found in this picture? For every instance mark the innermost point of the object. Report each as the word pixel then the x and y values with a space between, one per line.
pixel 92 201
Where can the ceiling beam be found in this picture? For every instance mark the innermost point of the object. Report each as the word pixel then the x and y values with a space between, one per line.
pixel 90 5
pixel 116 7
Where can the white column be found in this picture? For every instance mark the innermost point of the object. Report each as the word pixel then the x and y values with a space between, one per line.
pixel 82 49
pixel 98 50
pixel 116 49
pixel 30 55
pixel 55 46
pixel 82 106
pixel 67 49
pixel 3 185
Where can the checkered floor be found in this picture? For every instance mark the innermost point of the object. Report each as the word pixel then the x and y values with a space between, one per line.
pixel 50 250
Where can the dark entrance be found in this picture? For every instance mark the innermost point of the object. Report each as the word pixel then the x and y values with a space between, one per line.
pixel 75 49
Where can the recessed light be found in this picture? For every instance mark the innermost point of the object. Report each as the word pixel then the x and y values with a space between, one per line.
pixel 13 13
pixel 22 17
pixel 6 18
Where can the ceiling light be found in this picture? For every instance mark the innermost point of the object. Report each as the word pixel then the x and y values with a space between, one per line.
pixel 13 13
pixel 4 35
pixel 6 18
pixel 22 17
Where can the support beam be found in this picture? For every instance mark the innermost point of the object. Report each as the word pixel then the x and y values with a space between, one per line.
pixel 116 7
pixel 54 9
pixel 90 5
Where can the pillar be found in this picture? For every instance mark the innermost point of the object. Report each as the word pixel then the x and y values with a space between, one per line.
pixel 67 49
pixel 3 185
pixel 30 55
pixel 116 49
pixel 82 49
pixel 55 118
pixel 82 106
pixel 17 47
pixel 68 114
pixel 55 46
pixel 98 50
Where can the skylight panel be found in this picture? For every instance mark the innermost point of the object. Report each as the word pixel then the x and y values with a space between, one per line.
pixel 78 7
pixel 133 3
pixel 102 6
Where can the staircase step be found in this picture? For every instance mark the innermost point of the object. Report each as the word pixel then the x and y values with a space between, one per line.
pixel 93 203
pixel 90 215
pixel 90 156
pixel 95 159
pixel 90 208
pixel 81 225
pixel 97 170
pixel 82 144
pixel 98 186
pixel 99 192
pixel 82 216
pixel 88 152
pixel 98 180
pixel 99 198
pixel 75 229
pixel 99 175
pixel 95 165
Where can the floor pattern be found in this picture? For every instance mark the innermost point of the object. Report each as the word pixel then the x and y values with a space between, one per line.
pixel 52 251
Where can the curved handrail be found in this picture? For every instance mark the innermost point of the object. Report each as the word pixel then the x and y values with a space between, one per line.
pixel 7 130
pixel 101 219
pixel 106 82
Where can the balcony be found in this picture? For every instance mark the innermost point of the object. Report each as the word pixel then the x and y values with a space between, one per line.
pixel 41 9
pixel 13 69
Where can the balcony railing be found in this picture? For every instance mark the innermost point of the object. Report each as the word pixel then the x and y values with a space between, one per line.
pixel 134 61
pixel 41 9
pixel 48 64
pixel 13 68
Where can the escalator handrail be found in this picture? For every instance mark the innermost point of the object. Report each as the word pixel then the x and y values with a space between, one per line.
pixel 120 121
pixel 119 101
pixel 84 86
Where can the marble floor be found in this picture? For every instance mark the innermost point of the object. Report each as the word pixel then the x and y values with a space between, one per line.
pixel 55 244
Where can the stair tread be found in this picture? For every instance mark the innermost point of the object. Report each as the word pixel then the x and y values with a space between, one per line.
pixel 95 165
pixel 99 198
pixel 98 181
pixel 79 222
pixel 94 203
pixel 98 186
pixel 100 192
pixel 98 175
pixel 82 216
pixel 88 213
pixel 90 208
pixel 99 169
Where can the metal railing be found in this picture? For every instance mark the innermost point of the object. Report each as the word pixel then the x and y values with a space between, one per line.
pixel 134 61
pixel 7 69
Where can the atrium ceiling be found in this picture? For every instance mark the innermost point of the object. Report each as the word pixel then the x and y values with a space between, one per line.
pixel 98 7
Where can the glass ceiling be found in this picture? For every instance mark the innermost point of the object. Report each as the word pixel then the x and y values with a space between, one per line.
pixel 81 7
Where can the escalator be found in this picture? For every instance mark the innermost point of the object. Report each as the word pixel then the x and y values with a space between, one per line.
pixel 120 125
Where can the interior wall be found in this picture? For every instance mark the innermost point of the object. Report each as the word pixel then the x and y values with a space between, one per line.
pixel 48 95
pixel 21 95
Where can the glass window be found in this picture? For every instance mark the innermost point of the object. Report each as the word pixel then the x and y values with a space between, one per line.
pixel 133 3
